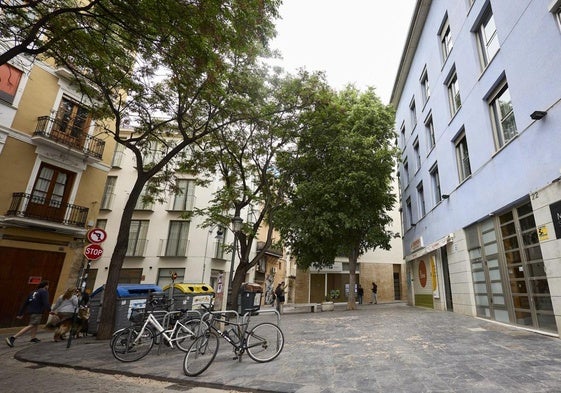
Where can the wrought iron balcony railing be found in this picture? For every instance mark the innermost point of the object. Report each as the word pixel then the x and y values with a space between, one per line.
pixel 69 135
pixel 28 206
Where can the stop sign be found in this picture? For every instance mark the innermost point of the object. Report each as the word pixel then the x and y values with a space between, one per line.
pixel 93 252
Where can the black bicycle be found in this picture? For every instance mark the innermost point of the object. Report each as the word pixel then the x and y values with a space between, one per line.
pixel 263 342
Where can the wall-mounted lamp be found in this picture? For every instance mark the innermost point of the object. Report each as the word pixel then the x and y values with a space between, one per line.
pixel 413 225
pixel 445 196
pixel 538 115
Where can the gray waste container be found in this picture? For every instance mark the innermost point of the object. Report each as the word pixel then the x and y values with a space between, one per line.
pixel 189 296
pixel 129 296
pixel 249 298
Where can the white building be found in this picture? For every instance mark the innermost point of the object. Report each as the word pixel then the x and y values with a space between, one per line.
pixel 478 107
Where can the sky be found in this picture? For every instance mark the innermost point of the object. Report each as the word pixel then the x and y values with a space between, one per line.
pixel 353 41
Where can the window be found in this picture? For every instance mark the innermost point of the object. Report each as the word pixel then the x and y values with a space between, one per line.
pixel 9 82
pixel 421 199
pixel 403 135
pixel 164 276
pixel 558 17
pixel 176 245
pixel 145 200
pixel 425 89
pixel 487 37
pixel 118 156
pixel 130 276
pixel 417 155
pixel 429 125
pixel 435 180
pixel 184 195
pixel 413 113
pixel 454 99
pixel 137 238
pixel 445 37
pixel 72 121
pixel 50 194
pixel 101 223
pixel 405 173
pixel 108 192
pixel 409 212
pixel 462 157
pixel 503 116
pixel 220 239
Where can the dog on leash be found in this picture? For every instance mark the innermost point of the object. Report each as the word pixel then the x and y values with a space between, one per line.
pixel 79 326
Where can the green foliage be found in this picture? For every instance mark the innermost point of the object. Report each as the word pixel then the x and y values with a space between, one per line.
pixel 340 171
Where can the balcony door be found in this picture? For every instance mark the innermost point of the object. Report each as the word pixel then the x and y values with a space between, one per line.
pixel 71 123
pixel 50 193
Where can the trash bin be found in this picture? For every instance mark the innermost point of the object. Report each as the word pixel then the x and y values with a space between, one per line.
pixel 189 296
pixel 249 298
pixel 129 296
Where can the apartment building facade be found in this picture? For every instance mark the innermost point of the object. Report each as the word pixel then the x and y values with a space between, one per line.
pixel 54 159
pixel 478 120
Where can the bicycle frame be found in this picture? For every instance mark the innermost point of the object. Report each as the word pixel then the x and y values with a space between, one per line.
pixel 170 335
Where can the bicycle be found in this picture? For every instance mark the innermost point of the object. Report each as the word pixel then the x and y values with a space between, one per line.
pixel 263 342
pixel 135 342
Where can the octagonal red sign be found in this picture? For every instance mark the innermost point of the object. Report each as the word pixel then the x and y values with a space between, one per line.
pixel 93 252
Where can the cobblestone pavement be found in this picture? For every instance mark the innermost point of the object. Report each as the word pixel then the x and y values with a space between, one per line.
pixel 377 348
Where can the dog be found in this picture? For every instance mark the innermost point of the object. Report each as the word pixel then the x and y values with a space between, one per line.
pixel 76 327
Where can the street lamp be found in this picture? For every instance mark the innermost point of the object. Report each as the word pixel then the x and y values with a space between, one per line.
pixel 237 223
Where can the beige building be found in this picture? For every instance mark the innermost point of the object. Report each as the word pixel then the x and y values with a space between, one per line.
pixel 53 163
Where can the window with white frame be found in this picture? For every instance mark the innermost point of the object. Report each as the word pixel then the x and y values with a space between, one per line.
pixel 108 193
pixel 176 245
pixel 487 37
pixel 405 172
pixel 421 199
pixel 429 126
pixel 138 231
pixel 145 201
pixel 445 37
pixel 435 180
pixel 409 212
pixel 425 88
pixel 462 157
pixel 118 156
pixel 10 78
pixel 417 153
pixel 413 113
pixel 454 98
pixel 502 114
pixel 558 17
pixel 184 197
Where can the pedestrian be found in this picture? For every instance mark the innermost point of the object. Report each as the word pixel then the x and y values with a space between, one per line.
pixel 279 295
pixel 374 293
pixel 35 305
pixel 360 293
pixel 64 308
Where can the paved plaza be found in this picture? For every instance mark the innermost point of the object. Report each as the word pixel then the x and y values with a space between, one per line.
pixel 378 348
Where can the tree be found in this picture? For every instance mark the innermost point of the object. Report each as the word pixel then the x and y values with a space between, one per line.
pixel 341 172
pixel 244 157
pixel 176 70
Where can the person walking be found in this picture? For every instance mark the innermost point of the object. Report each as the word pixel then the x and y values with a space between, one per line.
pixel 279 295
pixel 65 307
pixel 35 305
pixel 374 293
pixel 360 293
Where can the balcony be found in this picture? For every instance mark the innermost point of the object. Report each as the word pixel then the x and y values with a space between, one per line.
pixel 55 131
pixel 26 210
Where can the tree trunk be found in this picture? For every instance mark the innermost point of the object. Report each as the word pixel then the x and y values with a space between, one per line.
pixel 107 320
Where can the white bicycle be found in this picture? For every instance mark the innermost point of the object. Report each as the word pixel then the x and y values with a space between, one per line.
pixel 134 342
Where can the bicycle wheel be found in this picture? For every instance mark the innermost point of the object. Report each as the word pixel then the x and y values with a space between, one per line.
pixel 187 333
pixel 201 353
pixel 264 342
pixel 128 346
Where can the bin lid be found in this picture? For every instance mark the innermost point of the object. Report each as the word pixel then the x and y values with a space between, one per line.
pixel 251 287
pixel 131 290
pixel 193 288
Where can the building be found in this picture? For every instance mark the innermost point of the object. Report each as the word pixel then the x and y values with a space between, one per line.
pixel 54 160
pixel 165 238
pixel 478 118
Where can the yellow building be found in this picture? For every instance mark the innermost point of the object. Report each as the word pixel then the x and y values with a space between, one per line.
pixel 54 160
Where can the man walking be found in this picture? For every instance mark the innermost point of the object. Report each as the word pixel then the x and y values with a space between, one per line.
pixel 374 293
pixel 35 305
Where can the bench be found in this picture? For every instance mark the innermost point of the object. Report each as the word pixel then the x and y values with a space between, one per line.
pixel 312 307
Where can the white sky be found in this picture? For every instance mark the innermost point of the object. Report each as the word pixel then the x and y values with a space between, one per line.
pixel 353 41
